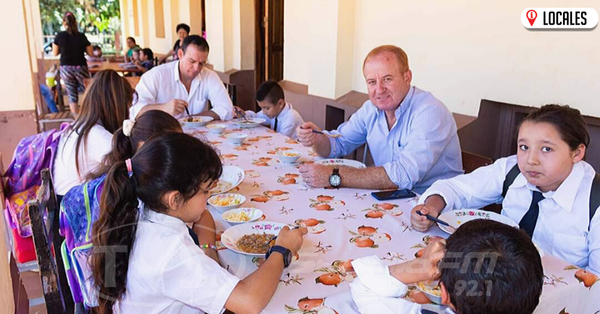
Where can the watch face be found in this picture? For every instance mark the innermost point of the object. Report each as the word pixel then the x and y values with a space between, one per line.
pixel 335 180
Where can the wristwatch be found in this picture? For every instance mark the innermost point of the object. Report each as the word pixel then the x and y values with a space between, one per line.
pixel 335 180
pixel 287 254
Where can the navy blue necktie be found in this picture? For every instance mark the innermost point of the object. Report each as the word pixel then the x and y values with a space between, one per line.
pixel 528 221
pixel 275 126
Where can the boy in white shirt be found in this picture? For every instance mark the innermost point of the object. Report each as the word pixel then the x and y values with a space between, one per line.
pixel 279 115
pixel 480 267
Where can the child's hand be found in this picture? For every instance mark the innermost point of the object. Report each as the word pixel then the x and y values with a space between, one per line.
pixel 420 222
pixel 291 239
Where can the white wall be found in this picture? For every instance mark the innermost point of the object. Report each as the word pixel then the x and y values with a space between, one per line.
pixel 310 43
pixel 215 33
pixel 479 49
pixel 16 88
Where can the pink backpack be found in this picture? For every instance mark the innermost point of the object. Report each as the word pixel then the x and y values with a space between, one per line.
pixel 33 154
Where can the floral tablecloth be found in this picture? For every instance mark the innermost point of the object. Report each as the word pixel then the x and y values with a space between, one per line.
pixel 346 224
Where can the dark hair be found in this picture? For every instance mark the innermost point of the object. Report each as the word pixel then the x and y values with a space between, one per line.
pixel 195 40
pixel 148 53
pixel 568 121
pixel 270 91
pixel 162 165
pixel 96 47
pixel 105 102
pixel 148 124
pixel 492 268
pixel 183 26
pixel 69 19
pixel 132 39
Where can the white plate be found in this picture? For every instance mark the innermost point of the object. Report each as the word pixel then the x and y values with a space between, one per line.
pixel 230 237
pixel 428 289
pixel 250 123
pixel 458 217
pixel 198 121
pixel 342 162
pixel 253 214
pixel 231 177
pixel 241 199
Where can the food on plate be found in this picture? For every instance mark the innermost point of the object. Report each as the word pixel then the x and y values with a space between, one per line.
pixel 221 187
pixel 291 154
pixel 256 243
pixel 226 200
pixel 238 217
pixel 436 290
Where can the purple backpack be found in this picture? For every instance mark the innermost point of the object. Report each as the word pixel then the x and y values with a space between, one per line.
pixel 79 210
pixel 33 154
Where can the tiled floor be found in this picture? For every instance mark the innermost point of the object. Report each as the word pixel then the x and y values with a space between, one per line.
pixel 33 286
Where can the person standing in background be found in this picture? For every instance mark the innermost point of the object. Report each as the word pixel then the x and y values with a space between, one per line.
pixel 71 45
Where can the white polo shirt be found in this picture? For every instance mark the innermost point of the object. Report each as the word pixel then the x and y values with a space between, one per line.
pixel 162 84
pixel 168 273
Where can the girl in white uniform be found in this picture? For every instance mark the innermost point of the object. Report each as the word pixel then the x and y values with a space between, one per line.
pixel 144 260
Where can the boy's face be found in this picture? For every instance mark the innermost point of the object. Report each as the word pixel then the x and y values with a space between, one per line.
pixel 543 157
pixel 271 110
pixel 143 56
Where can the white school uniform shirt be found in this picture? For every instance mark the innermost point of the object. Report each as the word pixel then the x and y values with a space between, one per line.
pixel 65 176
pixel 562 224
pixel 288 120
pixel 376 291
pixel 168 273
pixel 162 84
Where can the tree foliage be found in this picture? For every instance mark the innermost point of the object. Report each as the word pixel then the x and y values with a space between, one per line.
pixel 93 16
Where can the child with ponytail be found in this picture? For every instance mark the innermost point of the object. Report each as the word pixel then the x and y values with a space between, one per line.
pixel 144 259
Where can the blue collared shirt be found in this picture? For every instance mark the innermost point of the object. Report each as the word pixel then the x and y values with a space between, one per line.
pixel 421 148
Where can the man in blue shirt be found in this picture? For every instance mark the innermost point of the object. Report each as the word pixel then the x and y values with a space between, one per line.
pixel 410 134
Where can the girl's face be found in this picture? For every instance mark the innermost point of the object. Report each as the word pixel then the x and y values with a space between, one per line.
pixel 182 34
pixel 192 210
pixel 543 157
pixel 135 55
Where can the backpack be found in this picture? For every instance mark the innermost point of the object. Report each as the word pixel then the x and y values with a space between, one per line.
pixel 79 209
pixel 33 154
pixel 594 193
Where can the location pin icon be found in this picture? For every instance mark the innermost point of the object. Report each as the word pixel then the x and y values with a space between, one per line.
pixel 531 16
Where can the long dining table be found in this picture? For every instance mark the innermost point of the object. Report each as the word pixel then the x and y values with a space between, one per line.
pixel 346 224
pixel 95 67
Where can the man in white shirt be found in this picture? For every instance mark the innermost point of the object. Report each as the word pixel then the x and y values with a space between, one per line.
pixel 187 83
pixel 411 134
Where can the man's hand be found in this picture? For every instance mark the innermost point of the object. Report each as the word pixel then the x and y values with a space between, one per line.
pixel 315 175
pixel 175 107
pixel 306 136
pixel 238 112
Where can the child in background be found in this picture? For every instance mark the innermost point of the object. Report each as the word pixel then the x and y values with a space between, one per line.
pixel 279 115
pixel 146 60
pixel 104 108
pixel 545 187
pixel 484 263
pixel 96 54
pixel 161 268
